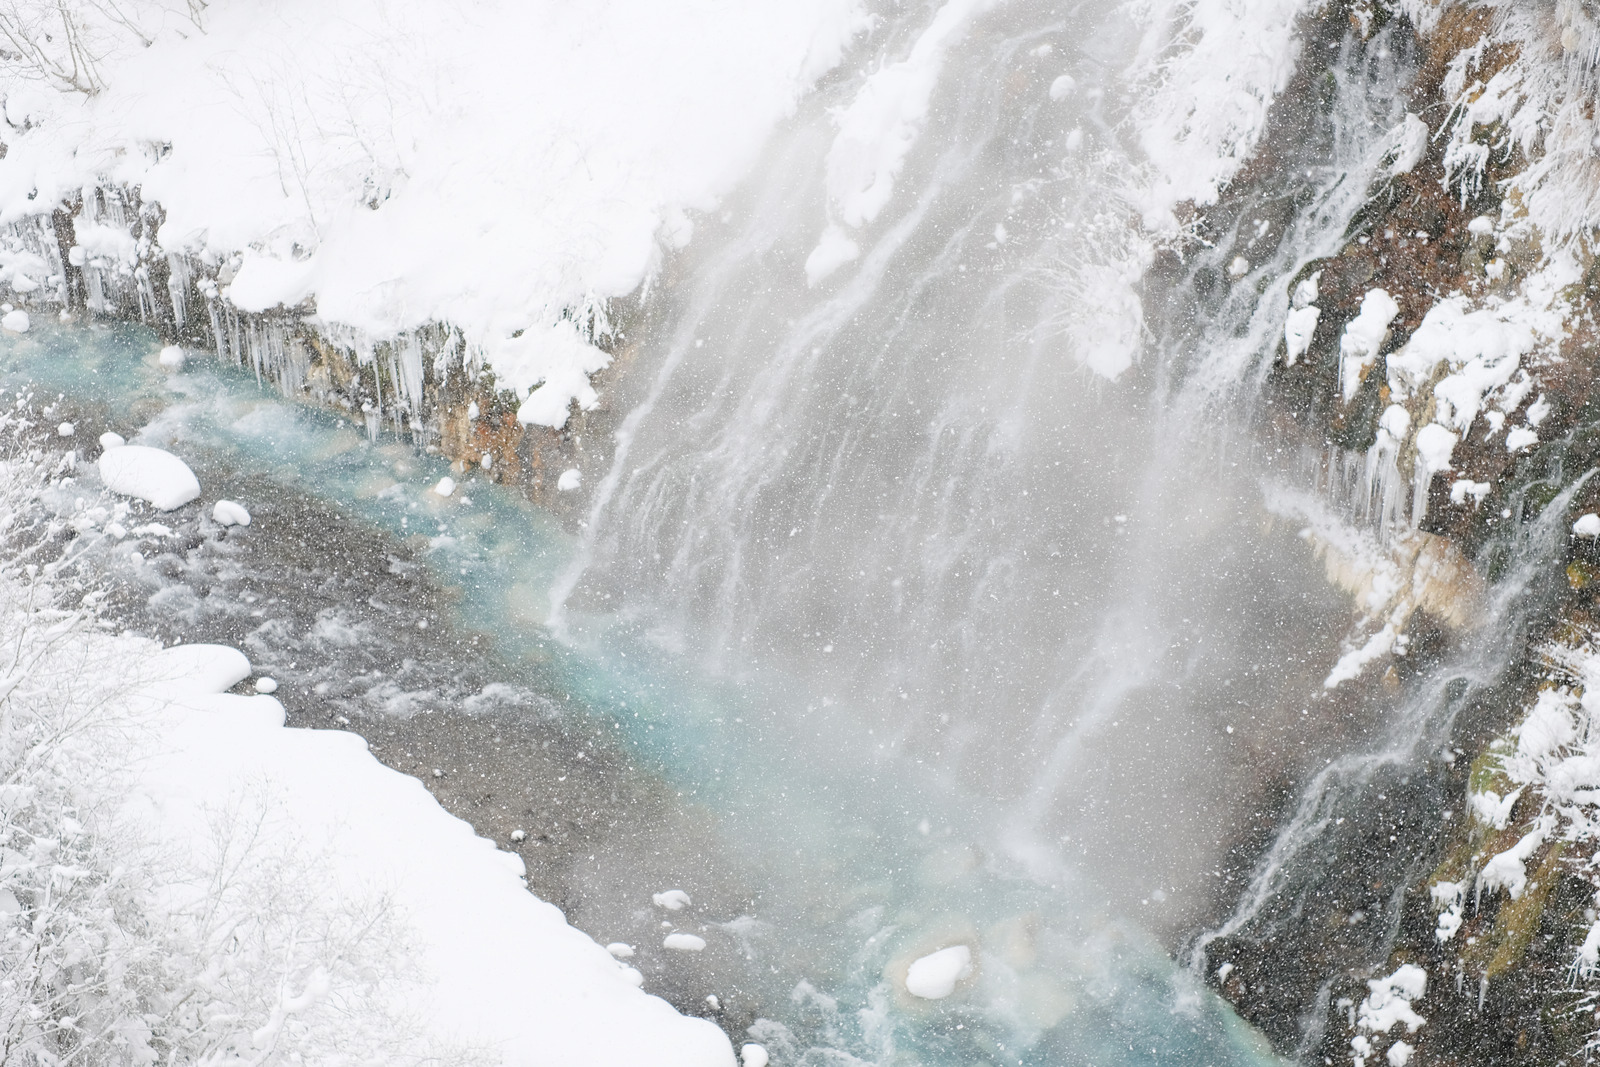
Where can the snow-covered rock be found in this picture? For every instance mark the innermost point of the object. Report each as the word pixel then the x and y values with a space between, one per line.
pixel 936 975
pixel 229 513
pixel 152 474
pixel 671 899
pixel 1364 337
pixel 15 321
pixel 681 942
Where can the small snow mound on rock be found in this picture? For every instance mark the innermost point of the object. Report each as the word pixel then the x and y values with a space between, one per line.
pixel 1521 438
pixel 621 950
pixel 151 474
pixel 171 356
pixel 570 479
pixel 754 1055
pixel 229 513
pixel 1587 525
pixel 1062 87
pixel 671 899
pixel 446 486
pixel 684 943
pixel 266 685
pixel 112 440
pixel 15 321
pixel 66 429
pixel 934 976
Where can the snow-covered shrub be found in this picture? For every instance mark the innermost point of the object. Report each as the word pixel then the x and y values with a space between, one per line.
pixel 64 43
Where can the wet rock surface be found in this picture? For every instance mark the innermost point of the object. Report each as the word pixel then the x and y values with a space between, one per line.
pixel 1307 962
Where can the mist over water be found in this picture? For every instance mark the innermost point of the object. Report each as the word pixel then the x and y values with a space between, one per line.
pixel 906 491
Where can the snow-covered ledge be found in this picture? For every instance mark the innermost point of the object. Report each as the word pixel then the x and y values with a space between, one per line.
pixel 500 170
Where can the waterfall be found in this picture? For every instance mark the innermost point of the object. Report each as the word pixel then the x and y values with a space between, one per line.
pixel 905 489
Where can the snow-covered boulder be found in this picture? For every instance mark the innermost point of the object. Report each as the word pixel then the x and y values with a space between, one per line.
pixel 152 474
pixel 936 975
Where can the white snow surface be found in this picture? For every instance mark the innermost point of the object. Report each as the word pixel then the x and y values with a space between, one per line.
pixel 229 513
pixel 503 968
pixel 681 942
pixel 935 976
pixel 1363 338
pixel 15 321
pixel 671 899
pixel 1508 870
pixel 502 166
pixel 1213 69
pixel 1388 1001
pixel 1435 445
pixel 1298 331
pixel 152 474
pixel 481 962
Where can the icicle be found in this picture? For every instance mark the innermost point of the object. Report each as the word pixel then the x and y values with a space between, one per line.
pixel 146 293
pixel 217 335
pixel 178 289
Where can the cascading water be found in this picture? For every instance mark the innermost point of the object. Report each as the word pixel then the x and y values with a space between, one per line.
pixel 904 486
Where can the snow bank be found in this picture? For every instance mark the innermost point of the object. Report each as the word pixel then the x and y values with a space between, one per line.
pixel 152 474
pixel 503 166
pixel 502 969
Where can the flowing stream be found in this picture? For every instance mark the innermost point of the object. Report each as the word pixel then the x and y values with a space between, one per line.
pixel 934 635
